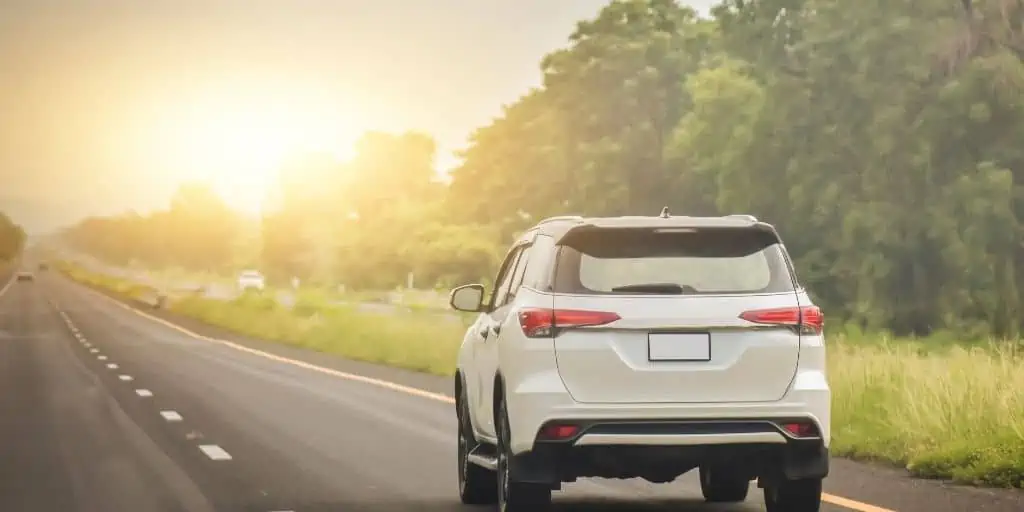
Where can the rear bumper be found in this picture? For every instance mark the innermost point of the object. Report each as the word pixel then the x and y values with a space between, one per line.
pixel 543 398
pixel 661 450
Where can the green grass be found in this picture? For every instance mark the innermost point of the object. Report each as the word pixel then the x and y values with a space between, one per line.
pixel 116 285
pixel 954 413
pixel 939 408
pixel 417 341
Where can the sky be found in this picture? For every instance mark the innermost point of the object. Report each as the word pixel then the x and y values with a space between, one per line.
pixel 108 105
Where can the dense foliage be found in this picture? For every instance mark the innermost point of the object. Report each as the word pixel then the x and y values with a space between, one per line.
pixel 12 238
pixel 882 138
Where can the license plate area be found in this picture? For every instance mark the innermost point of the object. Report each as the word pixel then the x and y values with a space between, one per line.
pixel 690 346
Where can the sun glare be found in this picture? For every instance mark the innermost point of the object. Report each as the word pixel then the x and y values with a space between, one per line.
pixel 239 144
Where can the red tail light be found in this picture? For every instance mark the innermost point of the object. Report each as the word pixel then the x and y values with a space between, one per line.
pixel 541 323
pixel 801 429
pixel 558 432
pixel 808 319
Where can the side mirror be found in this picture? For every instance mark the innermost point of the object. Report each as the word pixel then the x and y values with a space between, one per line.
pixel 468 298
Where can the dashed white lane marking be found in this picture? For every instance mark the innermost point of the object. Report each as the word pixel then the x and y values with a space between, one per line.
pixel 97 351
pixel 143 392
pixel 125 378
pixel 215 452
pixel 112 366
pixel 101 358
pixel 170 415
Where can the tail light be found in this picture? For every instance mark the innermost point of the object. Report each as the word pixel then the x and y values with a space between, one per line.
pixel 558 432
pixel 544 323
pixel 808 319
pixel 802 429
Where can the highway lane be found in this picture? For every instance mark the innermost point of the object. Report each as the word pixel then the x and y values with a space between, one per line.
pixel 208 426
pixel 67 445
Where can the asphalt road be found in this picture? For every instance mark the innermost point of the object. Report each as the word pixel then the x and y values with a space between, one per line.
pixel 105 409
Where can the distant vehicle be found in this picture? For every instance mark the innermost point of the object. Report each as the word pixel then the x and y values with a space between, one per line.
pixel 251 280
pixel 643 347
pixel 44 266
pixel 25 275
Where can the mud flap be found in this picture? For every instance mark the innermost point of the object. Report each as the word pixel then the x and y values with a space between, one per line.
pixel 535 468
pixel 801 462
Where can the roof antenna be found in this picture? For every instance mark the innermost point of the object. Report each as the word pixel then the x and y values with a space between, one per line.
pixel 664 212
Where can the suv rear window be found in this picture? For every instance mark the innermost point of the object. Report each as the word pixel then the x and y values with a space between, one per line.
pixel 705 261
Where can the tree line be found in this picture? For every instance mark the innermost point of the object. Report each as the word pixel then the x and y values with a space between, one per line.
pixel 881 138
pixel 12 238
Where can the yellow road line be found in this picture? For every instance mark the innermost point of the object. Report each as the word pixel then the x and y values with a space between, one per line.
pixel 828 498
pixel 851 504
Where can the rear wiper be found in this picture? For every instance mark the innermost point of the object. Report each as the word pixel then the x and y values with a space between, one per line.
pixel 665 288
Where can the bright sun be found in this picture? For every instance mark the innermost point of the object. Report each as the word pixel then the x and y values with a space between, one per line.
pixel 238 144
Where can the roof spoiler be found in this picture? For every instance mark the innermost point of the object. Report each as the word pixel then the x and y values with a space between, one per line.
pixel 666 224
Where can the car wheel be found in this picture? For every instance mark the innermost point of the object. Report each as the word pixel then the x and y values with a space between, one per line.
pixel 719 485
pixel 793 496
pixel 515 496
pixel 477 485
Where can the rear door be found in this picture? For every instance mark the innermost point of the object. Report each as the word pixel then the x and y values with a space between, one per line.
pixel 685 301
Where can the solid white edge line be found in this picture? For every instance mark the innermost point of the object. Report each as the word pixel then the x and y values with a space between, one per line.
pixel 215 452
pixel 408 390
pixel 143 392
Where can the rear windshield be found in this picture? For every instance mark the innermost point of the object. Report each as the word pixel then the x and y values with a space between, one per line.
pixel 707 261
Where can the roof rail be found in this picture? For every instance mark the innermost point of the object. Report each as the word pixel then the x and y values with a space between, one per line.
pixel 559 218
pixel 744 216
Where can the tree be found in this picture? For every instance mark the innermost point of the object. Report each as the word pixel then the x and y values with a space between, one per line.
pixel 881 138
pixel 12 238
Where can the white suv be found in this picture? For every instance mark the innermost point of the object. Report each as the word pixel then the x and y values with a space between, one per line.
pixel 643 347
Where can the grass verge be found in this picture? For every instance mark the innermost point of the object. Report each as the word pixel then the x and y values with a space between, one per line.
pixel 941 410
pixel 420 341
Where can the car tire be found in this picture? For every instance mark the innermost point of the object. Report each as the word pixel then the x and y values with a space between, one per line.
pixel 719 485
pixel 477 485
pixel 515 496
pixel 793 495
